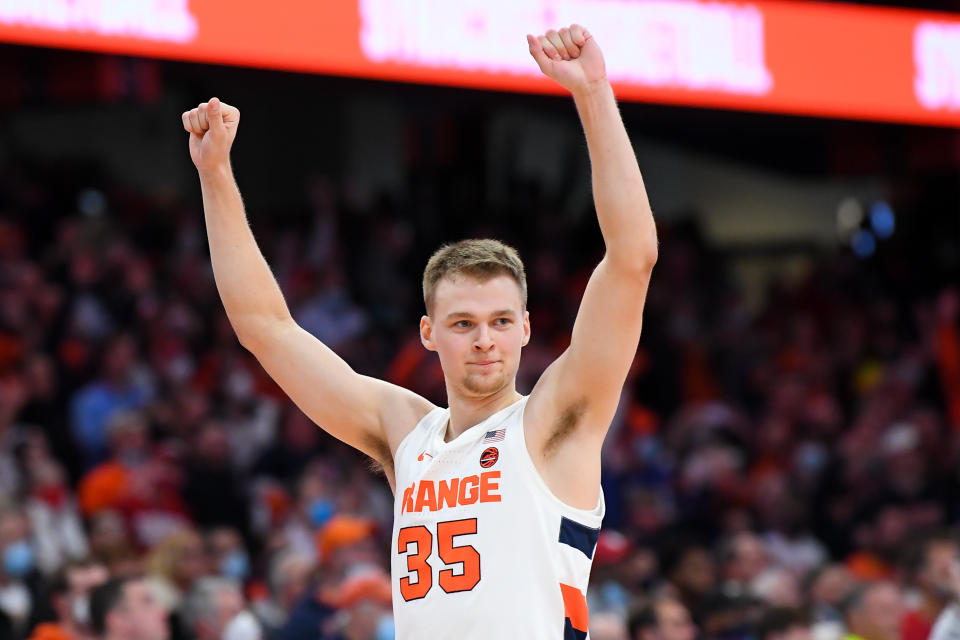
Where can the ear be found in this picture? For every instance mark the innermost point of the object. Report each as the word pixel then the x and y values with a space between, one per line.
pixel 526 328
pixel 426 333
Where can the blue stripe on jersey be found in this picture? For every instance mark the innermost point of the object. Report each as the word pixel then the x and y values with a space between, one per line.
pixel 579 536
pixel 569 633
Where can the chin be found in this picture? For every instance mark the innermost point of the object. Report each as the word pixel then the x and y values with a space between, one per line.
pixel 485 385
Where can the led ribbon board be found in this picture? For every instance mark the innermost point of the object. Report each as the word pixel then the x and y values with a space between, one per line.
pixel 810 58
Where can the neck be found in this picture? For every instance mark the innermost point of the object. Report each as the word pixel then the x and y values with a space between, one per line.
pixel 467 411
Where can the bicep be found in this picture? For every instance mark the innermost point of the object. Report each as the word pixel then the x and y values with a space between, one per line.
pixel 592 370
pixel 366 413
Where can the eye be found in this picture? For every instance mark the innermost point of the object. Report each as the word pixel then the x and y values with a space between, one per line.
pixel 463 324
pixel 502 322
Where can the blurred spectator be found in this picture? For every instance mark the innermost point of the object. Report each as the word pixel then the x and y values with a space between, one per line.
pixel 111 544
pixel 929 565
pixel 175 564
pixel 211 488
pixel 58 533
pixel 20 601
pixel 742 558
pixel 363 600
pixel 137 481
pixel 608 626
pixel 689 568
pixel 126 609
pixel 665 618
pixel 784 434
pixel 210 607
pixel 778 587
pixel 289 576
pixel 874 611
pixel 826 589
pixel 70 591
pixel 228 554
pixel 119 387
pixel 784 624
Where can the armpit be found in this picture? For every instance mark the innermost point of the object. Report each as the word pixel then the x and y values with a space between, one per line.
pixel 566 423
pixel 381 459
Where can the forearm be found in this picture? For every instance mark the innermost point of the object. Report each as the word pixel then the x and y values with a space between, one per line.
pixel 623 209
pixel 249 291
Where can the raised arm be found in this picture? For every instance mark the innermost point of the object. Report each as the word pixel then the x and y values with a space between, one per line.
pixel 576 398
pixel 369 414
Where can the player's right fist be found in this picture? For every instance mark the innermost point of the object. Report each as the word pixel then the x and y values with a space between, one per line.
pixel 212 127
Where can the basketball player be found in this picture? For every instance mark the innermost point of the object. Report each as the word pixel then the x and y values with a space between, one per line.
pixel 497 497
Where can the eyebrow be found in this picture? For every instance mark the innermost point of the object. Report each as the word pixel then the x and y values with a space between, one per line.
pixel 466 314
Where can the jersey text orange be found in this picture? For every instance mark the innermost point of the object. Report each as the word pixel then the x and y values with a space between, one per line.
pixel 432 495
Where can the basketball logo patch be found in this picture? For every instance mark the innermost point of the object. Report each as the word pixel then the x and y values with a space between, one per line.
pixel 489 457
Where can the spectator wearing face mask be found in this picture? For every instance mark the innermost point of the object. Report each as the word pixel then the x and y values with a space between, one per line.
pixel 19 579
pixel 126 609
pixel 70 598
pixel 228 555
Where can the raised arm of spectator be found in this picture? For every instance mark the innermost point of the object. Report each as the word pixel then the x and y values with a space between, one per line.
pixel 579 393
pixel 369 414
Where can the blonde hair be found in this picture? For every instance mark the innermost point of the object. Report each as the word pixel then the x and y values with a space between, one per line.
pixel 481 259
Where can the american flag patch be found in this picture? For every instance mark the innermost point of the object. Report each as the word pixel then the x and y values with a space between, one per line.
pixel 495 436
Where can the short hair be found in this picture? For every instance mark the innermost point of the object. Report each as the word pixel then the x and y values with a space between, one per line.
pixel 915 555
pixel 60 581
pixel 780 620
pixel 200 602
pixel 280 563
pixel 481 258
pixel 643 618
pixel 853 599
pixel 105 598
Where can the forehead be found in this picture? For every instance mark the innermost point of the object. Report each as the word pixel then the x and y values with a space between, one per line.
pixel 136 591
pixel 459 293
pixel 881 595
pixel 669 609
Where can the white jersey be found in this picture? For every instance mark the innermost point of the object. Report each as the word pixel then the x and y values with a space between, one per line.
pixel 481 548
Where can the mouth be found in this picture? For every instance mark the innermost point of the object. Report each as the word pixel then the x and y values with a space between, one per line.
pixel 483 363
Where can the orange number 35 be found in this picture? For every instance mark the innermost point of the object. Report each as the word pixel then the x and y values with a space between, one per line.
pixel 464 555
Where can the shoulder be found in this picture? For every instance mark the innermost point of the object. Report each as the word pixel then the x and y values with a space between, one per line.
pixel 401 410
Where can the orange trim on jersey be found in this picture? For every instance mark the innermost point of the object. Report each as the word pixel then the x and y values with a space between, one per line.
pixel 575 607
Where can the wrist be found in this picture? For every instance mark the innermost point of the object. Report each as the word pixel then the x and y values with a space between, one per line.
pixel 592 90
pixel 217 172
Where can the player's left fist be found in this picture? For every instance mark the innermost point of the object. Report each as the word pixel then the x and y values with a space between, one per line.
pixel 569 56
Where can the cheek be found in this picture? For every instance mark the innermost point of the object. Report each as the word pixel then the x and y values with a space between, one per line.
pixel 451 344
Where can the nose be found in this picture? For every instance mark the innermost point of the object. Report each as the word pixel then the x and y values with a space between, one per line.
pixel 483 341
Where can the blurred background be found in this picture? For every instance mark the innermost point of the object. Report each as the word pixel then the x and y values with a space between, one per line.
pixel 785 462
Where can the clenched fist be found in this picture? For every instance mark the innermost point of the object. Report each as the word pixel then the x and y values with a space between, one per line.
pixel 212 127
pixel 571 57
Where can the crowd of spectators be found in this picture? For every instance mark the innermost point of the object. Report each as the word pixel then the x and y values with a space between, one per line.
pixel 788 471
